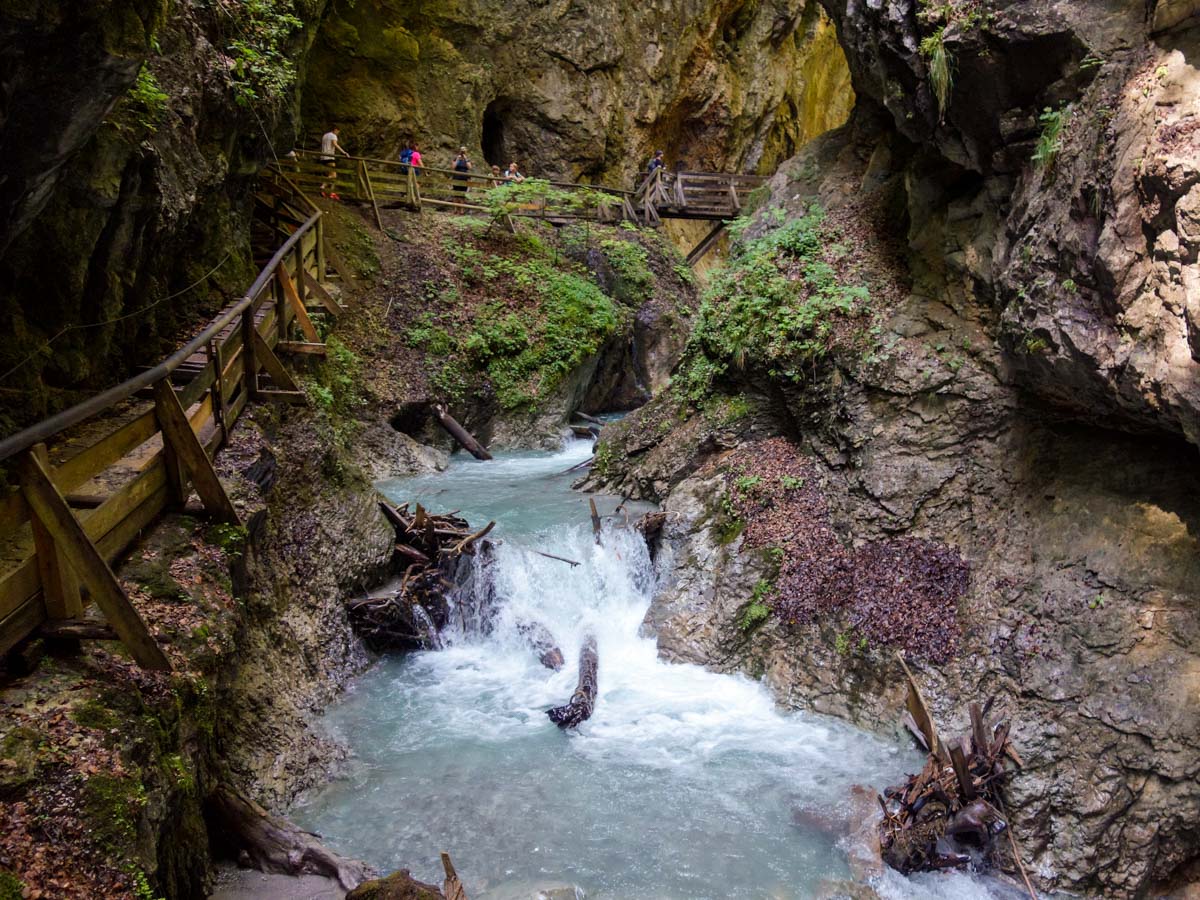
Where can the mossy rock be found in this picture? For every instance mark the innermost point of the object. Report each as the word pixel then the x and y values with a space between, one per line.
pixel 112 805
pixel 397 886
pixel 18 763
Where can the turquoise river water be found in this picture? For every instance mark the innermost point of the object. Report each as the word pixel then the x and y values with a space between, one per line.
pixel 684 783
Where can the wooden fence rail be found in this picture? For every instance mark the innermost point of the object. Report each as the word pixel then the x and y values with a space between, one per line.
pixel 63 525
pixel 384 183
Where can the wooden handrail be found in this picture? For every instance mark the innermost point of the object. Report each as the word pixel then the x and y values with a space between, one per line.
pixel 305 154
pixel 69 543
pixel 47 428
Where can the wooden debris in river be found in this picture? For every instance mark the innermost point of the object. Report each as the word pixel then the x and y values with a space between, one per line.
pixel 428 547
pixel 460 434
pixel 952 812
pixel 583 701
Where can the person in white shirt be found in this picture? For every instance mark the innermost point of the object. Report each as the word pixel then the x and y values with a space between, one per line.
pixel 513 173
pixel 329 150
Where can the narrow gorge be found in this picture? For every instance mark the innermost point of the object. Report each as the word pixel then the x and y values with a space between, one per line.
pixel 839 475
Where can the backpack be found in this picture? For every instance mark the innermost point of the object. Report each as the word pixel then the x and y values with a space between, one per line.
pixel 406 155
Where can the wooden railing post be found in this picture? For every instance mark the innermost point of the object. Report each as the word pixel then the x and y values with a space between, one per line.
pixel 72 541
pixel 60 585
pixel 249 363
pixel 320 229
pixel 220 410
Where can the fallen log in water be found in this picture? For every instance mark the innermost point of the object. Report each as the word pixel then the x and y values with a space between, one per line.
pixel 460 434
pixel 583 701
pixel 538 637
pixel 273 844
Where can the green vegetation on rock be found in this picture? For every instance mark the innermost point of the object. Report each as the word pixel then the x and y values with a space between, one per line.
pixel 941 76
pixel 263 69
pixel 552 318
pixel 11 887
pixel 780 305
pixel 629 261
pixel 1049 142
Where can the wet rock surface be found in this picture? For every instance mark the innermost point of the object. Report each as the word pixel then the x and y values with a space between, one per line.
pixel 570 90
pixel 1080 539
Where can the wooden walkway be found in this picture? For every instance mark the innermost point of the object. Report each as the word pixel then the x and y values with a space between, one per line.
pixel 148 443
pixel 383 184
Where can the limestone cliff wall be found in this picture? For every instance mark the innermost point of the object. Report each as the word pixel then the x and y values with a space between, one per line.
pixel 131 135
pixel 576 89
pixel 1026 401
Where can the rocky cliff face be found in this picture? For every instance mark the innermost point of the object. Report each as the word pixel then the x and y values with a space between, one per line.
pixel 131 135
pixel 573 89
pixel 1023 401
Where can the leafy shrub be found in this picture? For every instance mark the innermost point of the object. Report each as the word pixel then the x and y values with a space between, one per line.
pixel 773 307
pixel 147 100
pixel 262 60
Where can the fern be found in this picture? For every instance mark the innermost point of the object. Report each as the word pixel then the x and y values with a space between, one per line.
pixel 940 63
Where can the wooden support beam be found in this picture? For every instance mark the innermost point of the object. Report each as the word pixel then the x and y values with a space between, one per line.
pixel 249 364
pixel 68 534
pixel 182 441
pixel 271 365
pixel 301 347
pixel 79 629
pixel 60 585
pixel 297 397
pixel 293 297
pixel 317 289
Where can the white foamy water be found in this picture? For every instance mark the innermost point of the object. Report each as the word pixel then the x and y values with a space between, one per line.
pixel 683 784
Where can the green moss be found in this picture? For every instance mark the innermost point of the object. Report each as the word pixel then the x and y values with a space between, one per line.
pixel 94 714
pixel 524 357
pixel 629 260
pixel 21 751
pixel 11 887
pixel 113 805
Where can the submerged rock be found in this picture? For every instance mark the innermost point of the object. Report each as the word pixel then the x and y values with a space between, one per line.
pixel 397 886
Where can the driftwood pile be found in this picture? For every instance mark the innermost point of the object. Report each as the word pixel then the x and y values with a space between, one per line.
pixel 951 813
pixel 429 547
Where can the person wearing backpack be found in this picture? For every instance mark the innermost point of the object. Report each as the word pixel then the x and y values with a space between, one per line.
pixel 462 166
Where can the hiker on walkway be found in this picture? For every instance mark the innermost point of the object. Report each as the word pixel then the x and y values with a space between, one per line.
pixel 497 178
pixel 513 173
pixel 656 163
pixel 415 160
pixel 462 166
pixel 329 150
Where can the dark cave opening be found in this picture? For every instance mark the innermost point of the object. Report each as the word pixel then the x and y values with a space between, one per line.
pixel 493 140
